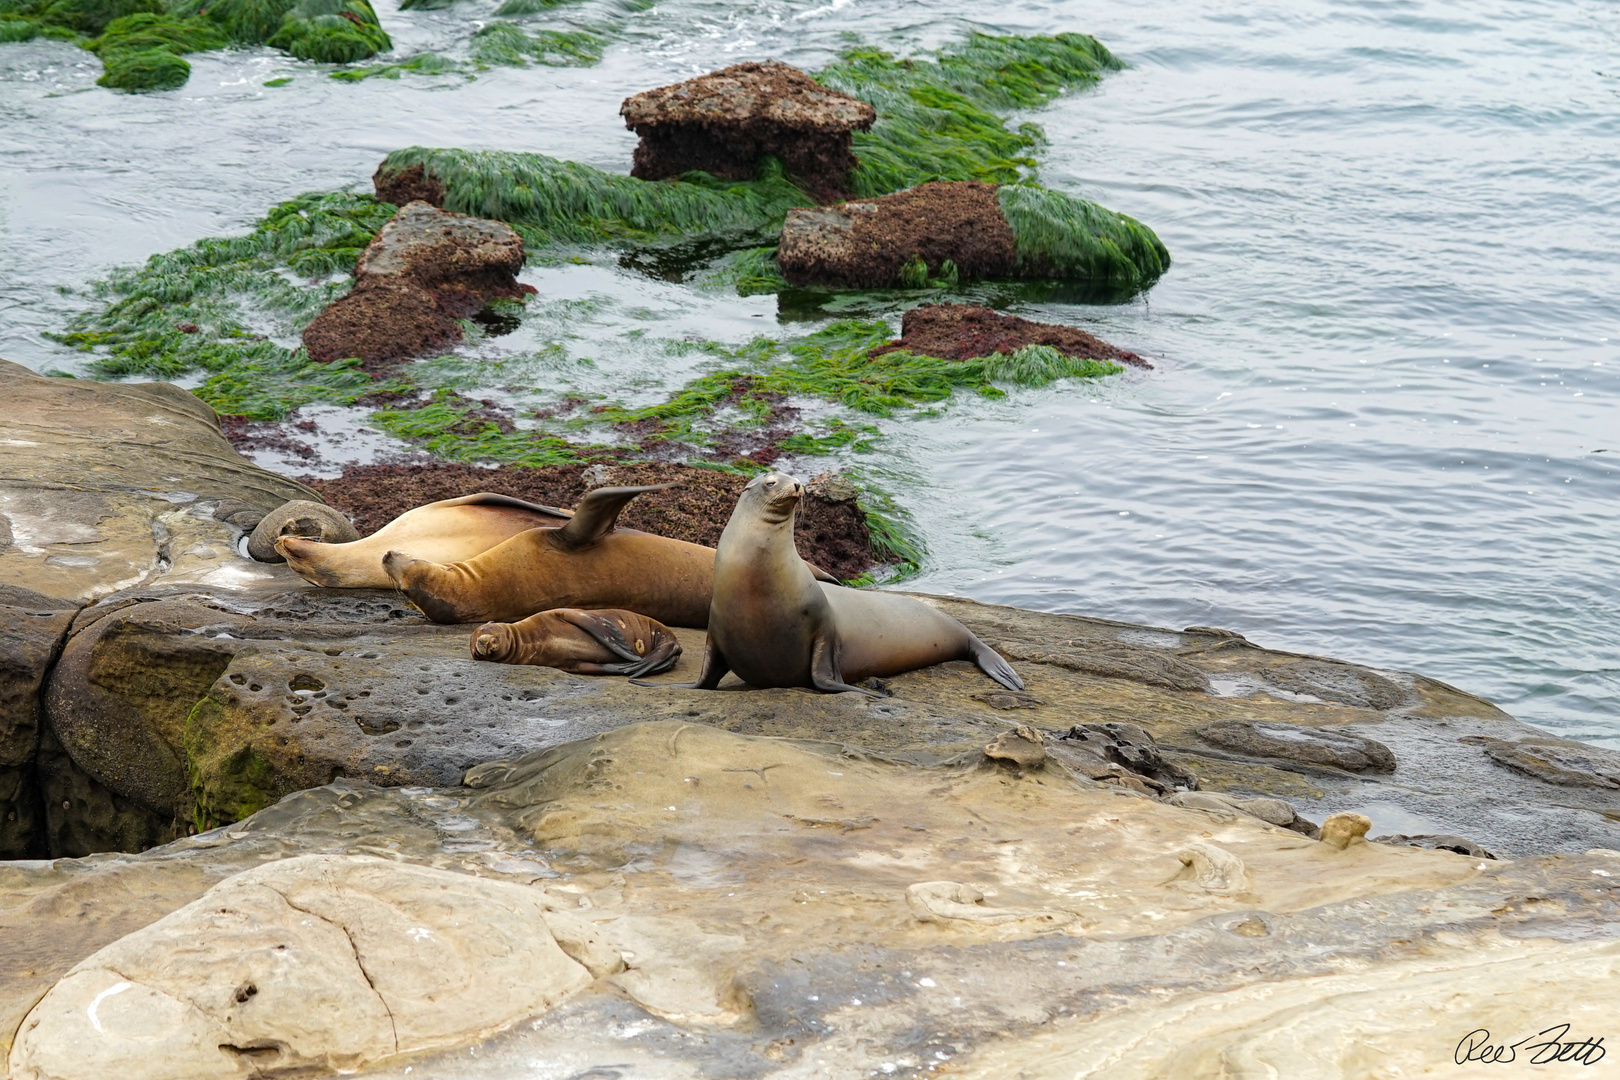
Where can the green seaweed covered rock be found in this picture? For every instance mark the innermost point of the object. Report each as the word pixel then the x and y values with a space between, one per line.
pixel 93 16
pixel 147 69
pixel 331 31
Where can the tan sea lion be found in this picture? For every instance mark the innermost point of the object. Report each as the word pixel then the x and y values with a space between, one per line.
pixel 444 531
pixel 582 642
pixel 774 624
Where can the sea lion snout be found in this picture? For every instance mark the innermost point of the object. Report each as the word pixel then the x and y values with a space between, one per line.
pixel 780 494
pixel 492 641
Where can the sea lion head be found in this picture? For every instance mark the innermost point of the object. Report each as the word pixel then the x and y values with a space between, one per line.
pixel 493 641
pixel 300 518
pixel 772 497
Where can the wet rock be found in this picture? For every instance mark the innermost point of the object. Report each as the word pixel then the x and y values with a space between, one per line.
pixel 1345 684
pixel 21 824
pixel 1273 811
pixel 1444 842
pixel 830 529
pixel 32 628
pixel 425 269
pixel 113 485
pixel 83 815
pixel 723 122
pixel 965 331
pixel 943 229
pixel 1568 764
pixel 407 186
pixel 1154 667
pixel 1293 742
pixel 320 963
pixel 1119 753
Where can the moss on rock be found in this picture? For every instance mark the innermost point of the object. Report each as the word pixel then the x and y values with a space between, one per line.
pixel 229 780
pixel 509 45
pixel 331 31
pixel 145 69
pixel 93 16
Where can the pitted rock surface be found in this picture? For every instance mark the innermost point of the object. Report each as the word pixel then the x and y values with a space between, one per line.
pixel 1309 746
pixel 1341 683
pixel 425 269
pixel 865 244
pixel 724 122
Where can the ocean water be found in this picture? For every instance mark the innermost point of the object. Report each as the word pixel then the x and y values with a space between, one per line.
pixel 1384 419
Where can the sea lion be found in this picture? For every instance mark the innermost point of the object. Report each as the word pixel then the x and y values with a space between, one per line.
pixel 774 624
pixel 582 642
pixel 298 518
pixel 444 531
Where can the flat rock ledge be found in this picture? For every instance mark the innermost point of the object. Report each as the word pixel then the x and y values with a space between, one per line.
pixel 723 122
pixel 966 331
pixel 424 270
pixel 670 899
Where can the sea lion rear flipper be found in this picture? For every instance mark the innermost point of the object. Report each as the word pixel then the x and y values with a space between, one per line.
pixel 994 665
pixel 824 673
pixel 658 654
pixel 490 498
pixel 596 514
pixel 714 669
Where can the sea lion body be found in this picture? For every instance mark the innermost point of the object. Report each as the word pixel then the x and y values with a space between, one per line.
pixel 446 531
pixel 587 563
pixel 613 642
pixel 773 624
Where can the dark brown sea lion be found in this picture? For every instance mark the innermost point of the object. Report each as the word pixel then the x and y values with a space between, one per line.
pixel 774 624
pixel 444 531
pixel 582 642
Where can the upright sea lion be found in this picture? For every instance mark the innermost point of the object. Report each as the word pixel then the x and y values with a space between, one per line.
pixel 582 642
pixel 444 531
pixel 774 624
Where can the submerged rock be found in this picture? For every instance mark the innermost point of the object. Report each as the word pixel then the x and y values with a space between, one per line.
pixel 423 271
pixel 1565 763
pixel 1310 746
pixel 966 331
pixel 723 122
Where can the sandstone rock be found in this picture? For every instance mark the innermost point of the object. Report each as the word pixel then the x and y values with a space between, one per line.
pixel 887 241
pixel 951 901
pixel 1345 684
pixel 1568 764
pixel 724 122
pixel 1021 746
pixel 965 331
pixel 763 942
pixel 1213 869
pixel 113 485
pixel 1117 751
pixel 315 963
pixel 1273 811
pixel 1311 746
pixel 424 270
pixel 1341 830
pixel 32 628
pixel 407 186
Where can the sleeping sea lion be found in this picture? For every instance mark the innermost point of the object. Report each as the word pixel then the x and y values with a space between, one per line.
pixel 582 642
pixel 301 518
pixel 586 563
pixel 444 531
pixel 774 624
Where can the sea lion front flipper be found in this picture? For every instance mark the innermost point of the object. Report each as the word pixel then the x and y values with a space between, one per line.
pixel 490 498
pixel 658 654
pixel 824 673
pixel 822 575
pixel 714 669
pixel 596 514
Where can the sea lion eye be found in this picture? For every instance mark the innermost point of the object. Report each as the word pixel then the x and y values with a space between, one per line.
pixel 770 483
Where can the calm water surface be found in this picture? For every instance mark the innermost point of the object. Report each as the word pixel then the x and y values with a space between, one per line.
pixel 1383 424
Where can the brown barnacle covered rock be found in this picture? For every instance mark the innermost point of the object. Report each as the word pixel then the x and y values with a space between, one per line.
pixel 866 244
pixel 423 271
pixel 965 331
pixel 724 122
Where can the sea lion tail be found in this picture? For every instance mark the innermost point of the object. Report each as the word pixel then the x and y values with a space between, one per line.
pixel 992 664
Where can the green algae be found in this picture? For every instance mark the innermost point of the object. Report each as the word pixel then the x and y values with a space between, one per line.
pixel 421 64
pixel 555 203
pixel 194 308
pixel 229 779
pixel 1059 236
pixel 507 44
pixel 91 17
pixel 331 31
pixel 147 69
pixel 451 427
pixel 937 118
pixel 144 51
